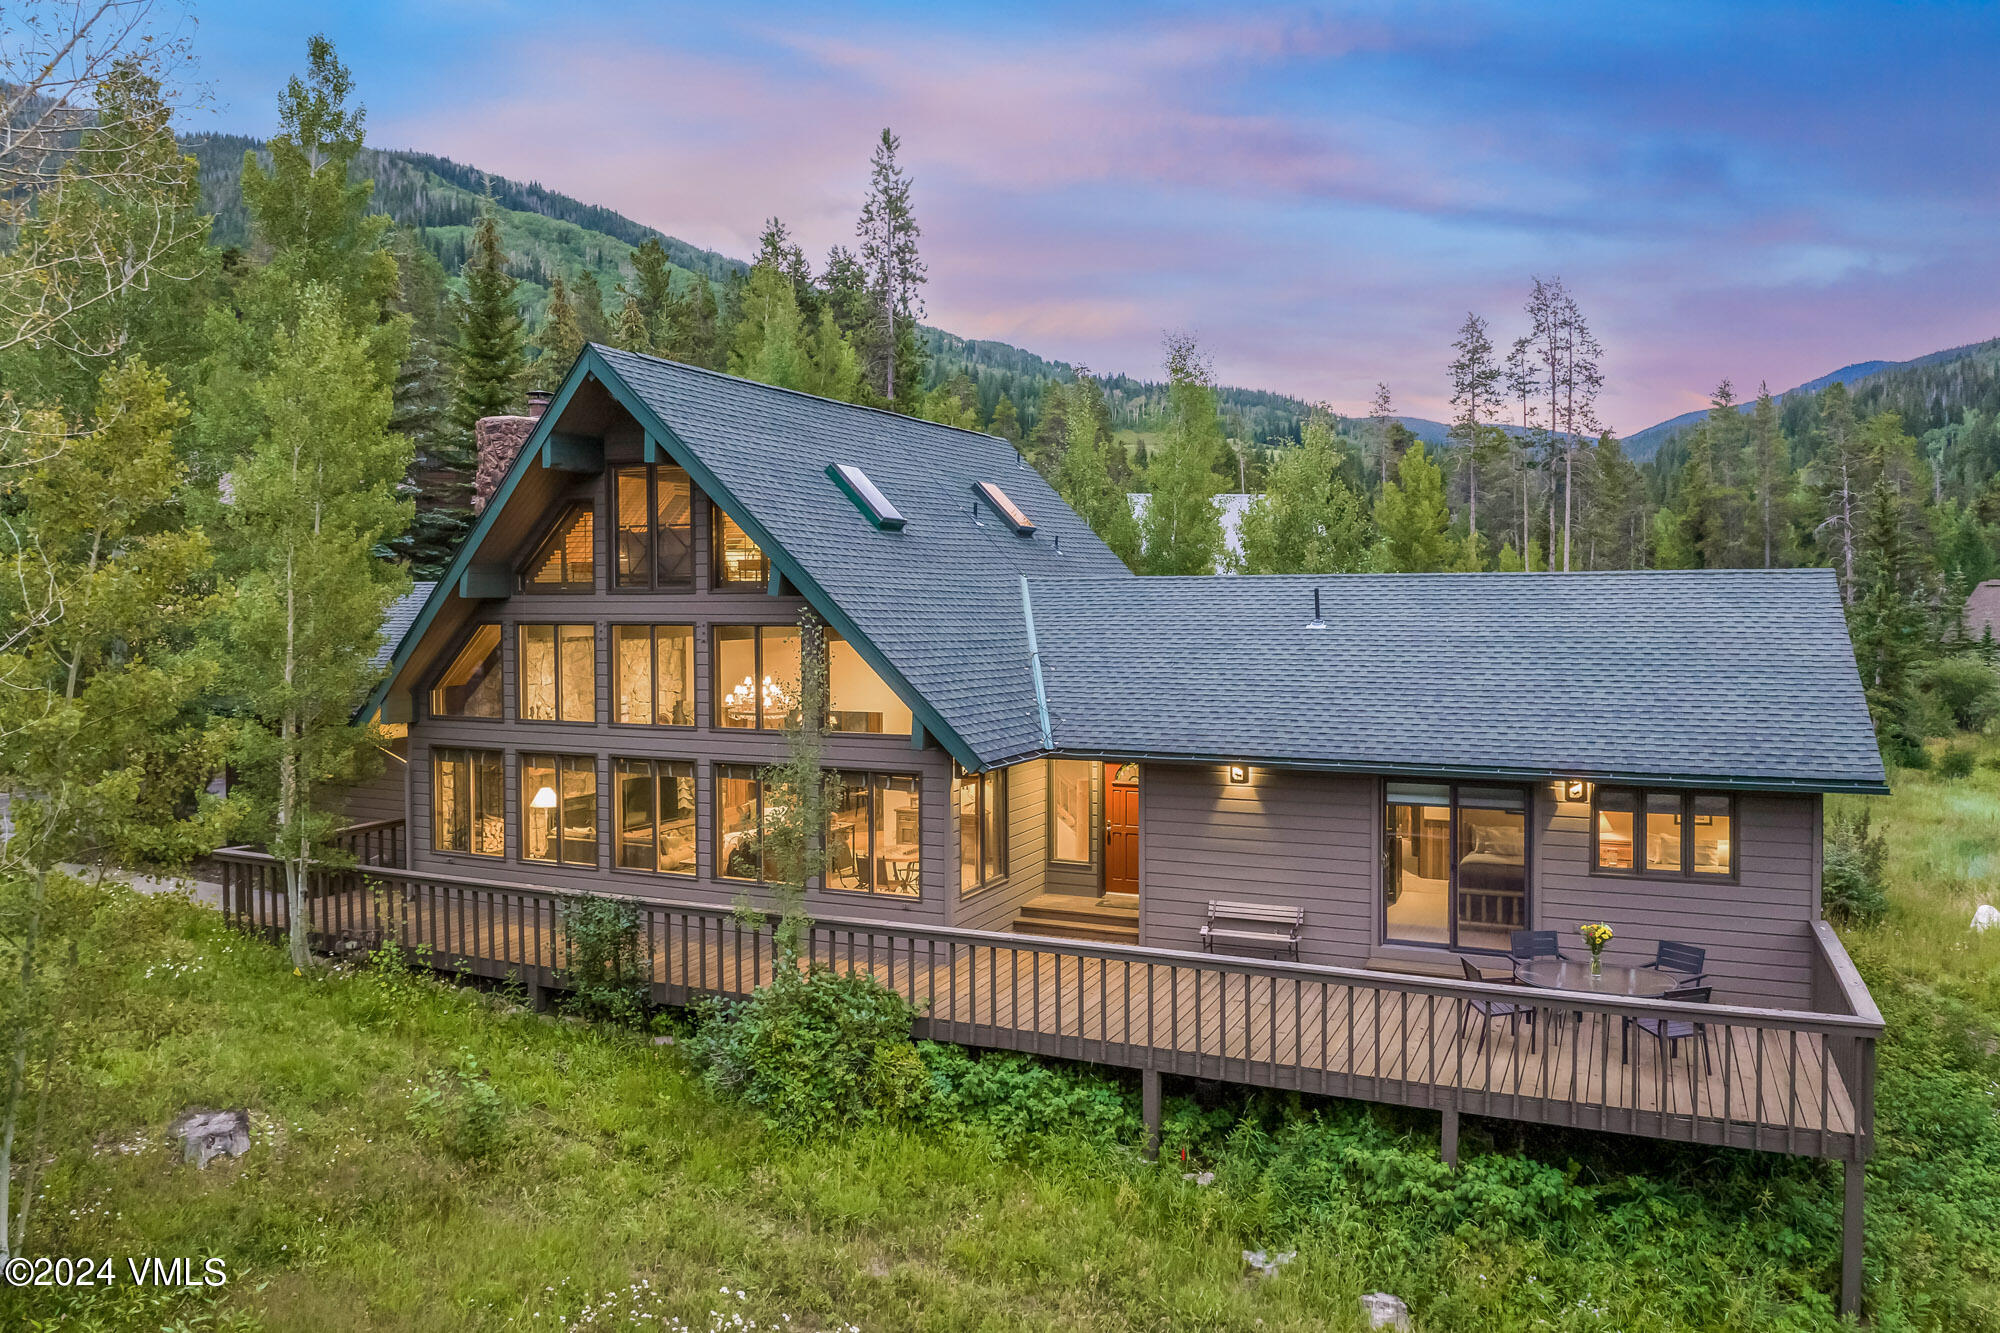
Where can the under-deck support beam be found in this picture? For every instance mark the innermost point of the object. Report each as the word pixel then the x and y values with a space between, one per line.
pixel 1850 1240
pixel 1149 1110
pixel 1448 1137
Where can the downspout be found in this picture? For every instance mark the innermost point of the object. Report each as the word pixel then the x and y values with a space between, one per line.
pixel 1035 665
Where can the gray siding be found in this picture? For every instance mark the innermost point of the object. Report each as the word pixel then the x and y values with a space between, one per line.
pixel 993 907
pixel 1314 840
pixel 1295 839
pixel 382 796
pixel 1758 930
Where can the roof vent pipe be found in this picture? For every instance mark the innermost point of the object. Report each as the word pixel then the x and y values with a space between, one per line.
pixel 1316 622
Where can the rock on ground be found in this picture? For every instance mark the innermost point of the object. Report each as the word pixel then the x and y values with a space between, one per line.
pixel 1385 1311
pixel 206 1135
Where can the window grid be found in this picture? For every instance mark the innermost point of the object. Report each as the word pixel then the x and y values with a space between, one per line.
pixel 468 801
pixel 559 809
pixel 1638 833
pixel 557 670
pixel 982 830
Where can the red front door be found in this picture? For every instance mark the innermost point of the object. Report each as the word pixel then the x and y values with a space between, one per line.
pixel 1121 828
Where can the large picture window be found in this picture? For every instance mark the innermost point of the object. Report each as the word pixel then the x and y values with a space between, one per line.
pixel 857 698
pixel 1072 791
pixel 558 671
pixel 1663 834
pixel 655 815
pixel 756 676
pixel 566 561
pixel 559 808
pixel 982 829
pixel 655 507
pixel 875 835
pixel 739 823
pixel 470 686
pixel 1455 865
pixel 469 802
pixel 737 560
pixel 652 669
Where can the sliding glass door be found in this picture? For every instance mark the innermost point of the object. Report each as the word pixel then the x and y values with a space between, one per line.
pixel 1455 865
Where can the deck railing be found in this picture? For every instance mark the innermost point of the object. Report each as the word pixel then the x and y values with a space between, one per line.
pixel 1777 1080
pixel 376 842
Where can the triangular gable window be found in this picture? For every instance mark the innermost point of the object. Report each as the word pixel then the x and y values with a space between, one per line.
pixel 567 559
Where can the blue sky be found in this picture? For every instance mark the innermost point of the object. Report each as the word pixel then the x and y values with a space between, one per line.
pixel 1759 191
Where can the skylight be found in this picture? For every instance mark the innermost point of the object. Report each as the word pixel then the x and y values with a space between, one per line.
pixel 867 496
pixel 1004 507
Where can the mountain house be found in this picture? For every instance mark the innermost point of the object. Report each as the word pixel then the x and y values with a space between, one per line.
pixel 1302 832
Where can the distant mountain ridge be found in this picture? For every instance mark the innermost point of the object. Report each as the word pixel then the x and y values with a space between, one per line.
pixel 1861 375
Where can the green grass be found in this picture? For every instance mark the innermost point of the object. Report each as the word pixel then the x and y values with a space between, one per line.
pixel 622 1176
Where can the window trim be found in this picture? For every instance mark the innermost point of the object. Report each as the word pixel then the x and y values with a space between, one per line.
pixel 716 692
pixel 1529 896
pixel 1005 858
pixel 1094 815
pixel 718 567
pixel 438 752
pixel 1687 874
pixel 652 585
pixel 694 676
pixel 521 800
pixel 521 675
pixel 527 587
pixel 654 761
pixel 718 771
pixel 870 778
pixel 450 659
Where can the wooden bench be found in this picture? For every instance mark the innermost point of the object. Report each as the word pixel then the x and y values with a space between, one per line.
pixel 1263 925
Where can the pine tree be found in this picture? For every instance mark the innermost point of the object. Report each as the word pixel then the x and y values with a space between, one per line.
pixel 490 352
pixel 768 345
pixel 777 250
pixel 655 290
pixel 1382 416
pixel 1308 520
pixel 1766 465
pixel 1084 479
pixel 1709 507
pixel 631 333
pixel 587 298
pixel 1475 390
pixel 694 327
pixel 312 502
pixel 1006 421
pixel 1842 470
pixel 561 338
pixel 832 367
pixel 888 232
pixel 442 463
pixel 1181 532
pixel 1412 522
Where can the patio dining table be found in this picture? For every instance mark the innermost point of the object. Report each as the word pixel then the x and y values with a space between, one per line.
pixel 1573 974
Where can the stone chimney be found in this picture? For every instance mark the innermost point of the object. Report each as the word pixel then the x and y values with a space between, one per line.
pixel 498 441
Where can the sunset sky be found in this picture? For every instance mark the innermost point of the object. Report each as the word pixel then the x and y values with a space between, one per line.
pixel 1763 192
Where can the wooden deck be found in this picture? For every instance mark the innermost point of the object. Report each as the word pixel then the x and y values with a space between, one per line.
pixel 1768 1079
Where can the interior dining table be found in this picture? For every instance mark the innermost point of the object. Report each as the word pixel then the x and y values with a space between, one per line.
pixel 1574 974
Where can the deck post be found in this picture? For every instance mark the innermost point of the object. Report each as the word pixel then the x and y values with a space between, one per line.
pixel 1149 1110
pixel 1850 1240
pixel 1448 1146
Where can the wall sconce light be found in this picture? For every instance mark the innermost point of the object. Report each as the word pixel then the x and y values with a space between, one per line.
pixel 1576 789
pixel 1239 774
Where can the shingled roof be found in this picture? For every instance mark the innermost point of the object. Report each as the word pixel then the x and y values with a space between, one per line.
pixel 1738 676
pixel 941 596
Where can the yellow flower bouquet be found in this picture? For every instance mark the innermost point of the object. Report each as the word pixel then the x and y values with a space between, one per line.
pixel 1596 934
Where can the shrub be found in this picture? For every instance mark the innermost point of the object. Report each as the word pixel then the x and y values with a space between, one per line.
pixel 607 972
pixel 1955 762
pixel 458 1109
pixel 1964 688
pixel 1026 1102
pixel 1852 877
pixel 813 1052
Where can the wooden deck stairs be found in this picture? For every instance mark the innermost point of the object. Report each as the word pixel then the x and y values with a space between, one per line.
pixel 1112 919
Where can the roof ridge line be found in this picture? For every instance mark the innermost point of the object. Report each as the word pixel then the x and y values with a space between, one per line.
pixel 801 393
